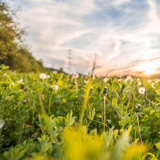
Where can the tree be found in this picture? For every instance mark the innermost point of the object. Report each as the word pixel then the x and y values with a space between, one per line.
pixel 12 50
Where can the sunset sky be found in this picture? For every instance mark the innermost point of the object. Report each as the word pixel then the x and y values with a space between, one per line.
pixel 121 33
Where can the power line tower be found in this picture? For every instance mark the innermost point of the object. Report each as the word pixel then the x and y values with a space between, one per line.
pixel 52 64
pixel 69 60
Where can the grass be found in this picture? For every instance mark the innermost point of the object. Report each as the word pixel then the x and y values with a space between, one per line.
pixel 59 117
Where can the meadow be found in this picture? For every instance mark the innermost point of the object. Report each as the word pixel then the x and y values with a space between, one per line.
pixel 51 116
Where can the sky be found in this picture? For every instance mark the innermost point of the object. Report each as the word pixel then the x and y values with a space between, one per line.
pixel 119 33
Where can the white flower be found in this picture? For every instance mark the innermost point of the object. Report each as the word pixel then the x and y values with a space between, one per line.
pixel 54 72
pixel 86 81
pixel 1 123
pixel 43 76
pixel 56 87
pixel 75 76
pixel 149 80
pixel 105 80
pixel 142 90
pixel 129 78
pixel 120 80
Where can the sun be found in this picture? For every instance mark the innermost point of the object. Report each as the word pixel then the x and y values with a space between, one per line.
pixel 150 71
pixel 148 68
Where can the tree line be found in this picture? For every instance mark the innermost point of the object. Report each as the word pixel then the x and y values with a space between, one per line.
pixel 13 52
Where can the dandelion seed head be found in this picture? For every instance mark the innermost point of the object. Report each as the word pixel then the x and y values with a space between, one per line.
pixel 129 78
pixel 142 90
pixel 43 76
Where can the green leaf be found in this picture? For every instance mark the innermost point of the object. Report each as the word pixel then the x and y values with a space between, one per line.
pixel 158 146
pixel 21 154
pixel 69 120
pixel 91 113
pixel 109 137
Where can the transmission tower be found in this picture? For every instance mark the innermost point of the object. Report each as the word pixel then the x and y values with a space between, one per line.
pixel 69 60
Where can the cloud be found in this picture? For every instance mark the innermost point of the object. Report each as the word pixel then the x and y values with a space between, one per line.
pixel 119 32
pixel 118 3
pixel 51 27
pixel 153 14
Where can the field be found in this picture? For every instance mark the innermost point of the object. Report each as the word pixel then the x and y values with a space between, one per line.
pixel 55 116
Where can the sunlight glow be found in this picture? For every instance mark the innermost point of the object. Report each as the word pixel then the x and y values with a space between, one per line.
pixel 148 68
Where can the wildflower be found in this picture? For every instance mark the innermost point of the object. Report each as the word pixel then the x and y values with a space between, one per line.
pixel 56 87
pixel 129 78
pixel 54 72
pixel 105 80
pixel 86 81
pixel 43 76
pixel 75 76
pixel 142 90
pixel 120 80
